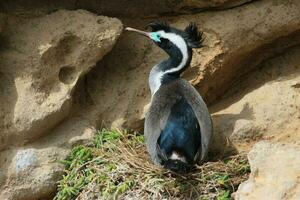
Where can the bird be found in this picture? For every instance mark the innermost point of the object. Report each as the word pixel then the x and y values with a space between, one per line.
pixel 178 126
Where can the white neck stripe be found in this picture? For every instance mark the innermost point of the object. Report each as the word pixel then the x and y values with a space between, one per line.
pixel 181 44
pixel 156 74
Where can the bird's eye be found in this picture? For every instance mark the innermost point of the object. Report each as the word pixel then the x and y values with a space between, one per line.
pixel 155 36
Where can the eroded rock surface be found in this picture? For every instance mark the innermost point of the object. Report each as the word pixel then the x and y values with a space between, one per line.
pixel 124 8
pixel 40 63
pixel 236 40
pixel 45 104
pixel 275 173
pixel 33 173
pixel 263 104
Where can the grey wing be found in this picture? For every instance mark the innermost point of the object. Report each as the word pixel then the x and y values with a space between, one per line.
pixel 156 119
pixel 202 114
pixel 160 109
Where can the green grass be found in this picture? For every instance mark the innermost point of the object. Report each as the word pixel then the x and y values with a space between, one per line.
pixel 116 166
pixel 75 178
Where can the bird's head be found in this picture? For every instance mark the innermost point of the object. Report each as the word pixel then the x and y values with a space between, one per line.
pixel 172 40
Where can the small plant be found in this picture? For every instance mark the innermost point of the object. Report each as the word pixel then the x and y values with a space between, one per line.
pixel 224 195
pixel 104 136
pixel 76 176
pixel 116 166
pixel 78 156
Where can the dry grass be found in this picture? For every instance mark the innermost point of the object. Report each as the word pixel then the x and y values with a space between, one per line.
pixel 116 166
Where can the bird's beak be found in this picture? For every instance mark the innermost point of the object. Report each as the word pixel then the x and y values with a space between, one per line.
pixel 138 31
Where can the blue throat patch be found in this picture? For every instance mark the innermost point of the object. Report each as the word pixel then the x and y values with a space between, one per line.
pixel 155 36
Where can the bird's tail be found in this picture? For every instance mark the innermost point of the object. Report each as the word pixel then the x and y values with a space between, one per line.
pixel 177 166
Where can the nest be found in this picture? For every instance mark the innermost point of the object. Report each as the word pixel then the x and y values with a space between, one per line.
pixel 116 166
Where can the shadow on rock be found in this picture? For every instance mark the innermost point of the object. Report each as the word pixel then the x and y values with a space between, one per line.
pixel 224 125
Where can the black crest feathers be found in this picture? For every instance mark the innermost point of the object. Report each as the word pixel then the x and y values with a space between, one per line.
pixel 193 36
pixel 157 26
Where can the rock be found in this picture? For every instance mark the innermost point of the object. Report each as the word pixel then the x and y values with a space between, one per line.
pixel 40 64
pixel 236 40
pixel 245 130
pixel 3 19
pixel 24 160
pixel 52 98
pixel 275 173
pixel 136 8
pixel 264 103
pixel 33 173
pixel 239 39
pixel 124 8
pixel 196 5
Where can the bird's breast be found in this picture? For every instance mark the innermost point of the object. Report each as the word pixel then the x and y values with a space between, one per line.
pixel 155 79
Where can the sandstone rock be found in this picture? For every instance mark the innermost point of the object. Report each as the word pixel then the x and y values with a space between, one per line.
pixel 275 173
pixel 239 39
pixel 33 173
pixel 245 130
pixel 40 64
pixel 236 40
pixel 3 19
pixel 136 8
pixel 264 103
pixel 125 8
pixel 44 100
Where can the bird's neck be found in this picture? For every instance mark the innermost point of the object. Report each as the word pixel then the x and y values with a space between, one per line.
pixel 169 70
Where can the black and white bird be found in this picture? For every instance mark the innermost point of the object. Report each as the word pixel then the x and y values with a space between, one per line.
pixel 178 126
